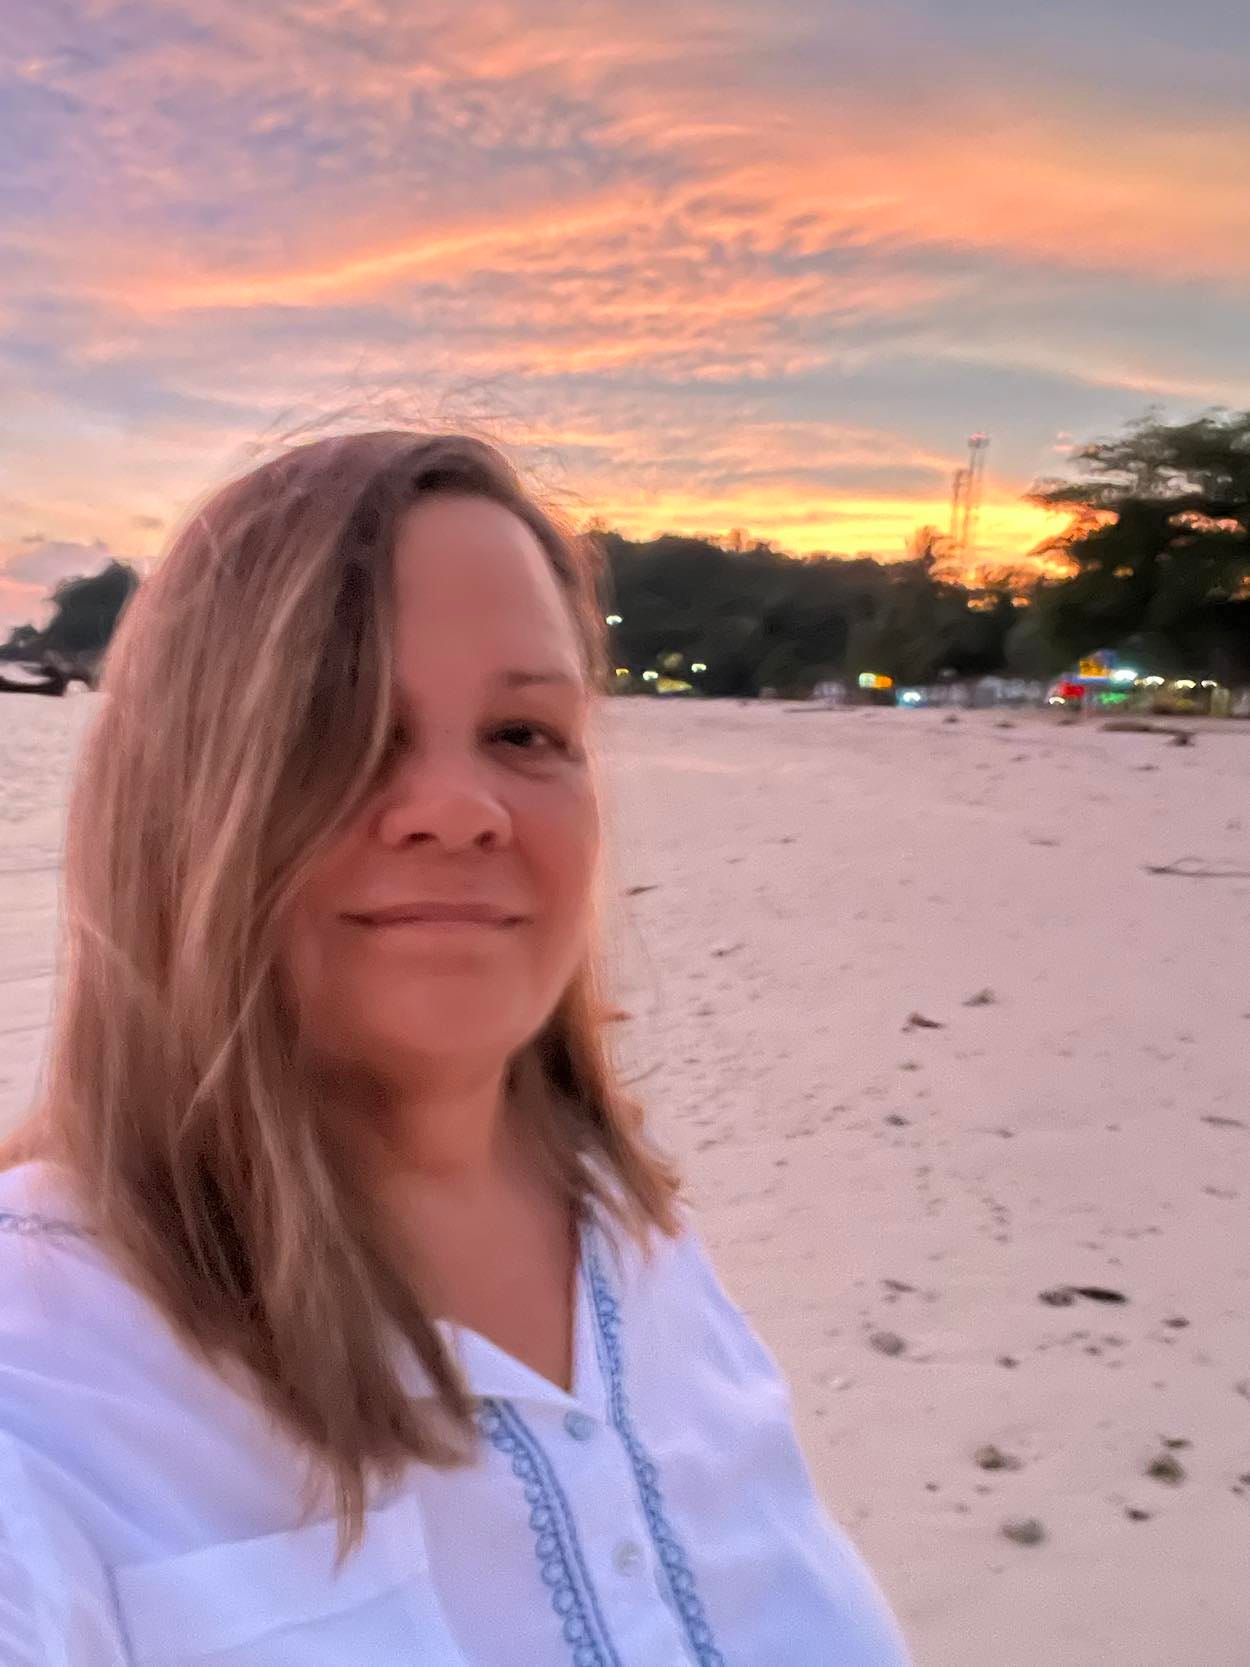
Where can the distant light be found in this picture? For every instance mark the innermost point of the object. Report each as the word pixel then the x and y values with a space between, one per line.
pixel 1153 682
pixel 1186 683
pixel 1209 683
pixel 612 619
pixel 650 676
pixel 697 665
pixel 622 671
pixel 1123 675
pixel 874 680
pixel 911 697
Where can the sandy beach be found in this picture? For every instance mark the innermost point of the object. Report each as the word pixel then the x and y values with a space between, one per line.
pixel 931 1038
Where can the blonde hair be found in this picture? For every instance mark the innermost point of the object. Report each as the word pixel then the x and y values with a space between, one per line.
pixel 247 711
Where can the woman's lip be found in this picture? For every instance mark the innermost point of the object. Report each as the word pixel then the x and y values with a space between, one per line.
pixel 434 914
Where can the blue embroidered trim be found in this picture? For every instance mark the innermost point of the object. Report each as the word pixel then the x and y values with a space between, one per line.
pixel 559 1551
pixel 11 1222
pixel 676 1565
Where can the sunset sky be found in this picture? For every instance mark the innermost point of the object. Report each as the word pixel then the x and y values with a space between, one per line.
pixel 729 263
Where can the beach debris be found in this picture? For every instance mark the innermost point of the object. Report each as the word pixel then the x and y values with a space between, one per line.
pixel 951 718
pixel 917 1021
pixel 983 998
pixel 1217 1122
pixel 1007 1360
pixel 887 1342
pixel 1024 1531
pixel 899 1287
pixel 1178 1322
pixel 1059 1296
pixel 1063 1296
pixel 637 891
pixel 1137 726
pixel 1183 868
pixel 896 1120
pixel 1242 1387
pixel 1166 1467
pixel 1135 1513
pixel 729 948
pixel 991 1457
pixel 1177 1443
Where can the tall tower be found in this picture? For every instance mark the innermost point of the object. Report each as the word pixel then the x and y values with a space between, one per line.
pixel 966 499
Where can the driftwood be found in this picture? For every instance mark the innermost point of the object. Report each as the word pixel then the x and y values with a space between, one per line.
pixel 1183 868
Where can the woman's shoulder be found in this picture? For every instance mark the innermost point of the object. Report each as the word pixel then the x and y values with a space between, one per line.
pixel 670 1291
pixel 68 1317
pixel 47 1250
pixel 76 1334
pixel 37 1199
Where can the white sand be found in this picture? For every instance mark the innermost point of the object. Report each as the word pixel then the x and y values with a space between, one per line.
pixel 817 878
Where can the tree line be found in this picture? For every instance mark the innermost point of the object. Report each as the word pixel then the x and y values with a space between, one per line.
pixel 1153 562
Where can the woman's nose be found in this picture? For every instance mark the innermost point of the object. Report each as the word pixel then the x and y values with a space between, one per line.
pixel 447 802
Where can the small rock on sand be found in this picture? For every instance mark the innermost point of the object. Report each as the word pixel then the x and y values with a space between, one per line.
pixel 887 1342
pixel 991 1457
pixel 1058 1296
pixel 1165 1467
pixel 1024 1531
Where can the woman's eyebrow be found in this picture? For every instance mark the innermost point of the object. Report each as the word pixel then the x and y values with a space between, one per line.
pixel 527 679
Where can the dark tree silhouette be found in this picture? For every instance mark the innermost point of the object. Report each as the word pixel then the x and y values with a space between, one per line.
pixel 85 612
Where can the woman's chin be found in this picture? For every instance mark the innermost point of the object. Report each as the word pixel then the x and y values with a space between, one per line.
pixel 468 1034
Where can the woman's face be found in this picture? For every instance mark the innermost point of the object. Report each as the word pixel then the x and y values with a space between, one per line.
pixel 446 922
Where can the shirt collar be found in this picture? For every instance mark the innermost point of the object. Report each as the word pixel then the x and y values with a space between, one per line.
pixel 491 1373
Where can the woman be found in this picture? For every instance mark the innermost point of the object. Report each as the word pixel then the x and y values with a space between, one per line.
pixel 346 1313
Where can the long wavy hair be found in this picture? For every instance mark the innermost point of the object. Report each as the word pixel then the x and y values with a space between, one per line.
pixel 248 702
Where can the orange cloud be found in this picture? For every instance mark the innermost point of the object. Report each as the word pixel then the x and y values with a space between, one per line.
pixel 622 221
pixel 802 518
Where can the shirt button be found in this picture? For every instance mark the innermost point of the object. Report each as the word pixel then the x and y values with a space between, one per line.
pixel 628 1557
pixel 579 1425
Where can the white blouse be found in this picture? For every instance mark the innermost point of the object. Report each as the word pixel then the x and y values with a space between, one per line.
pixel 659 1516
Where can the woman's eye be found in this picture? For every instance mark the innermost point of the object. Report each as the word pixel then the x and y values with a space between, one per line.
pixel 531 738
